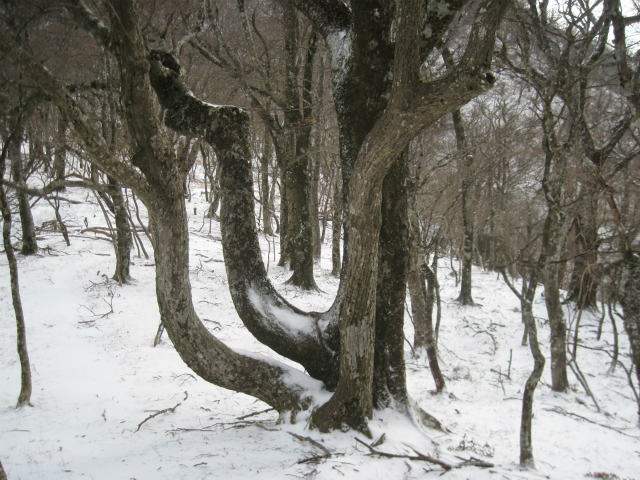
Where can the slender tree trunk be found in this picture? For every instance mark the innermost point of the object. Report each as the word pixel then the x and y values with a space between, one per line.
pixel 123 242
pixel 297 171
pixel 526 446
pixel 553 237
pixel 422 300
pixel 284 210
pixel 465 162
pixel 29 244
pixel 559 379
pixel 215 193
pixel 265 159
pixel 583 286
pixel 314 211
pixel 336 227
pixel 24 397
pixel 3 475
pixel 60 155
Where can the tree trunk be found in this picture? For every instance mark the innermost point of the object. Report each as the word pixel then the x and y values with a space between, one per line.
pixel 314 211
pixel 201 351
pixel 29 244
pixel 389 379
pixel 559 380
pixel 465 162
pixel 3 474
pixel 526 446
pixel 336 227
pixel 583 286
pixel 296 175
pixel 422 300
pixel 352 402
pixel 553 236
pixel 630 302
pixel 60 156
pixel 265 160
pixel 123 242
pixel 24 397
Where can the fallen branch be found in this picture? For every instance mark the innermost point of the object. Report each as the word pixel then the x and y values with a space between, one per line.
pixel 313 442
pixel 562 411
pixel 256 413
pixel 418 456
pixel 166 410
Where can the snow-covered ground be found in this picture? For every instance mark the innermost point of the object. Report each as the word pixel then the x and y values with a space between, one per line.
pixel 97 377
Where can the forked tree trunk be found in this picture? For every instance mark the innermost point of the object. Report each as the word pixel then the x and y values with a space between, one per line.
pixel 422 300
pixel 200 350
pixel 421 282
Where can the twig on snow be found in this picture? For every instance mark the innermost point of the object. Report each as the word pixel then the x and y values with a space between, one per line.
pixel 417 456
pixel 166 410
pixel 255 413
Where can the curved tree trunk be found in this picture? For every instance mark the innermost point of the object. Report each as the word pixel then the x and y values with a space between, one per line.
pixel 200 350
pixel 24 397
pixel 526 447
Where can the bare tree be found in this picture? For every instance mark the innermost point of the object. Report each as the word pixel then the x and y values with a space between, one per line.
pixel 24 397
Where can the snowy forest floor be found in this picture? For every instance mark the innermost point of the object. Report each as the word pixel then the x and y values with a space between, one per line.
pixel 97 377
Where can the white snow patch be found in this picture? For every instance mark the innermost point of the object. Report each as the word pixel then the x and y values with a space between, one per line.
pixel 287 319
